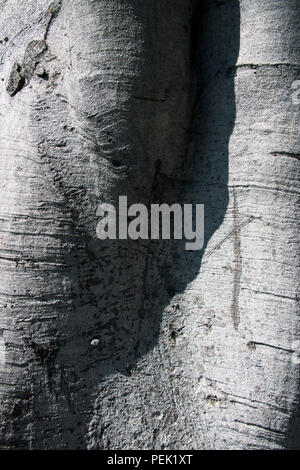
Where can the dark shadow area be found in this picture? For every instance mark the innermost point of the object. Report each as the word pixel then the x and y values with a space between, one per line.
pixel 215 52
pixel 292 440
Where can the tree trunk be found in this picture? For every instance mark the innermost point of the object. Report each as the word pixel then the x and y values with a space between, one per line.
pixel 161 101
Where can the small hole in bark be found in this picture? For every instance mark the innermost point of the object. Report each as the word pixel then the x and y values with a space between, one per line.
pixel 212 399
pixel 17 410
pixel 251 345
pixel 173 334
pixel 45 76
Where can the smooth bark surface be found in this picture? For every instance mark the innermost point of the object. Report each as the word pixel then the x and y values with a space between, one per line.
pixel 162 101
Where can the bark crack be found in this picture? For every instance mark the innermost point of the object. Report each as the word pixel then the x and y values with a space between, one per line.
pixel 239 227
pixel 253 345
pixel 258 66
pixel 53 9
pixel 265 428
pixel 285 154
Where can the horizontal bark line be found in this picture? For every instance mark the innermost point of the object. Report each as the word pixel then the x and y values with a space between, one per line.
pixel 271 405
pixel 285 154
pixel 294 299
pixel 265 188
pixel 257 66
pixel 261 427
pixel 253 344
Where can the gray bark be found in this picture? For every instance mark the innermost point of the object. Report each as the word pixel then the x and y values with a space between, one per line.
pixel 162 101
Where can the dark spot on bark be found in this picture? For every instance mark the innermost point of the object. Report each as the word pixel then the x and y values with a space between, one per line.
pixel 128 370
pixel 16 80
pixel 17 410
pixel 173 334
pixel 212 399
pixel 46 355
pixel 157 165
pixel 44 75
pixel 22 72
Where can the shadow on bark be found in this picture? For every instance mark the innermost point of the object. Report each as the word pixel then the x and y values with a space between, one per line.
pixel 292 440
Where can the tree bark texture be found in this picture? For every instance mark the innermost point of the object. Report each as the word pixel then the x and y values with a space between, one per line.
pixel 161 101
